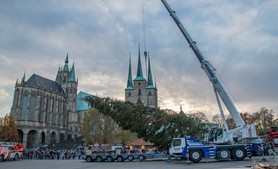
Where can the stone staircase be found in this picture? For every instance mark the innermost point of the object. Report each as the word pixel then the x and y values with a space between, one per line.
pixel 67 144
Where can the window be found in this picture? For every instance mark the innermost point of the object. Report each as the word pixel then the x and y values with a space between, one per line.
pixel 176 142
pixel 16 97
pixel 139 92
pixel 32 107
pixel 219 132
pixel 24 105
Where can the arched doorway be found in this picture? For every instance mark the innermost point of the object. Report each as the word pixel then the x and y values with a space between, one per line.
pixel 62 137
pixel 42 138
pixel 32 139
pixel 53 138
pixel 20 133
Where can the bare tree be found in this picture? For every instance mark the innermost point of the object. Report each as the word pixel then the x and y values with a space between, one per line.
pixel 263 119
pixel 216 118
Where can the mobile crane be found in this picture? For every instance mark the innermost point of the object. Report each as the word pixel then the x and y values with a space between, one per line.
pixel 226 141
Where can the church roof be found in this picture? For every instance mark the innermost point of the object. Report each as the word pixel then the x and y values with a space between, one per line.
pixel 41 82
pixel 82 105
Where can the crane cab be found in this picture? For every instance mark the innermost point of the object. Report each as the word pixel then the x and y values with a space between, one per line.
pixel 217 135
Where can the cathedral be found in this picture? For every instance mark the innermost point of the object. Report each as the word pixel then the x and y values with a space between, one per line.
pixel 48 111
pixel 139 90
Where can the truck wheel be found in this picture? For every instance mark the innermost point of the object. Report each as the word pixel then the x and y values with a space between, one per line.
pixel 98 159
pixel 223 154
pixel 16 157
pixel 141 158
pixel 195 155
pixel 239 153
pixel 1 158
pixel 109 159
pixel 88 159
pixel 130 158
pixel 120 159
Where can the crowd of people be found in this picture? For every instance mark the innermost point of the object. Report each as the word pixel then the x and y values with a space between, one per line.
pixel 59 154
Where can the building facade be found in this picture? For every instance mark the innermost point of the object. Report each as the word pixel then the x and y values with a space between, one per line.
pixel 139 90
pixel 45 110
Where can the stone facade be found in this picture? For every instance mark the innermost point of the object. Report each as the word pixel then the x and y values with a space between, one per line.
pixel 141 91
pixel 45 110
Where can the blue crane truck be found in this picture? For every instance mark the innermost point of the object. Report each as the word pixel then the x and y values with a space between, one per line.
pixel 189 148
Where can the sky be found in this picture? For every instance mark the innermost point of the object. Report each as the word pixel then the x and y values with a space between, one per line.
pixel 239 38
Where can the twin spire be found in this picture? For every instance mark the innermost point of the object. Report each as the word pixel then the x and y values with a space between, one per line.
pixel 129 79
pixel 139 67
pixel 139 75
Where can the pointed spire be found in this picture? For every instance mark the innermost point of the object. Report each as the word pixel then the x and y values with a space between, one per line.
pixel 66 67
pixel 72 74
pixel 150 77
pixel 129 85
pixel 58 76
pixel 23 78
pixel 139 67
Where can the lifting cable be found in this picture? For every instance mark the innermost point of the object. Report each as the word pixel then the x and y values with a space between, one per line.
pixel 144 35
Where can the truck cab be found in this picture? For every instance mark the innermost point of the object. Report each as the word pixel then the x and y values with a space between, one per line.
pixel 179 145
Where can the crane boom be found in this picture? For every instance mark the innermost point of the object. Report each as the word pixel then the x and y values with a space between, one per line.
pixel 210 71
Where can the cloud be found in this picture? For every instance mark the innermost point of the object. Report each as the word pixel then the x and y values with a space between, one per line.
pixel 239 38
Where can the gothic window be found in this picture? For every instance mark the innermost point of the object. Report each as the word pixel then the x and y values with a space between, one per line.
pixel 54 119
pixel 24 106
pixel 139 92
pixel 41 103
pixel 150 93
pixel 49 104
pixel 16 97
pixel 53 104
pixel 32 107
pixel 46 110
pixel 129 94
pixel 59 106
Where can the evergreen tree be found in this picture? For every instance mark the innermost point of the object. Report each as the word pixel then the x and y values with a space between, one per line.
pixel 152 124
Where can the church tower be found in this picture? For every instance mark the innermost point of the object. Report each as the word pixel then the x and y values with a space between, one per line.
pixel 141 91
pixel 151 89
pixel 66 78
